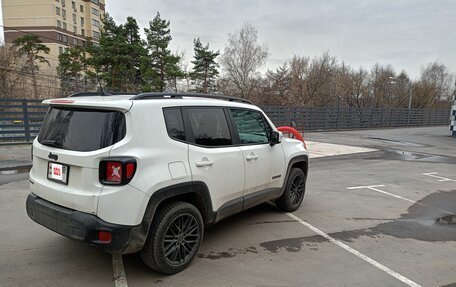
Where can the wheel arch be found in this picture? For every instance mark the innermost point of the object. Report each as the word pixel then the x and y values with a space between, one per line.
pixel 301 162
pixel 196 193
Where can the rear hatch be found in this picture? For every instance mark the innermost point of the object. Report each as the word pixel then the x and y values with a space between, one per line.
pixel 75 136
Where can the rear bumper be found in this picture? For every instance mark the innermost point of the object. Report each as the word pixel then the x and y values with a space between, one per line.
pixel 84 227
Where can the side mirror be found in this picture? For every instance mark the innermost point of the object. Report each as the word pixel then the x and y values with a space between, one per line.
pixel 274 138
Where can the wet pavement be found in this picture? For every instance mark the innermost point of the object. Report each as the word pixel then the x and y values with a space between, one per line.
pixel 395 204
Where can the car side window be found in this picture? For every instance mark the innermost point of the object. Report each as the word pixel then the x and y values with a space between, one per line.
pixel 209 126
pixel 250 125
pixel 174 123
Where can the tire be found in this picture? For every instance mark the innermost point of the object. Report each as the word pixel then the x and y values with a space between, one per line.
pixel 293 194
pixel 167 249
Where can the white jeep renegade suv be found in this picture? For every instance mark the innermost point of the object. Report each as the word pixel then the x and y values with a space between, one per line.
pixel 148 172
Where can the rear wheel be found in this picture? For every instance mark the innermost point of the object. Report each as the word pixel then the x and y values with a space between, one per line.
pixel 174 238
pixel 294 192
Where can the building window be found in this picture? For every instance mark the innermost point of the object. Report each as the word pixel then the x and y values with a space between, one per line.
pixel 75 29
pixel 81 9
pixel 95 23
pixel 63 14
pixel 60 50
pixel 83 33
pixel 63 3
pixel 59 24
pixel 95 12
pixel 64 25
pixel 82 21
pixel 57 11
pixel 95 2
pixel 74 19
pixel 73 5
pixel 59 37
pixel 65 38
pixel 96 35
pixel 75 41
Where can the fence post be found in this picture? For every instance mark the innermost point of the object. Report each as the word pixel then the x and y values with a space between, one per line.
pixel 337 112
pixel 408 116
pixel 26 120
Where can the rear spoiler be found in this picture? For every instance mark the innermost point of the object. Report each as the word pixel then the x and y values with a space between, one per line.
pixel 99 103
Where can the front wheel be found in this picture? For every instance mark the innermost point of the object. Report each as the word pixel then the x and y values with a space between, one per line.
pixel 294 191
pixel 174 238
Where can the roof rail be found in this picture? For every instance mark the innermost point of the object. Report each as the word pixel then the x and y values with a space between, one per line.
pixel 164 95
pixel 94 94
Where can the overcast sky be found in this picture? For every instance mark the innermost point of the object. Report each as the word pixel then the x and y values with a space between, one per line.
pixel 407 34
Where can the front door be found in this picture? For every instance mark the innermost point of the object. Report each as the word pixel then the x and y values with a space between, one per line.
pixel 263 163
pixel 213 158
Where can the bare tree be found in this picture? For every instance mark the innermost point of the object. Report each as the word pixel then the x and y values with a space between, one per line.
pixel 242 57
pixel 434 86
pixel 299 69
pixel 11 77
pixel 320 79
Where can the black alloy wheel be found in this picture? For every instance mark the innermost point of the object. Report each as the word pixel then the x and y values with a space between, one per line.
pixel 297 189
pixel 181 239
pixel 174 238
pixel 293 194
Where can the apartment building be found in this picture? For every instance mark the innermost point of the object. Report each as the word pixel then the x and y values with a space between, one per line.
pixel 59 23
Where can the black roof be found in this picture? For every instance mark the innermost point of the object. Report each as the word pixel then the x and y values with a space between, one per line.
pixel 161 95
pixel 146 96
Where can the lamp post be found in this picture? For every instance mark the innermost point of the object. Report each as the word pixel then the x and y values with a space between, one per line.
pixel 394 81
pixel 410 103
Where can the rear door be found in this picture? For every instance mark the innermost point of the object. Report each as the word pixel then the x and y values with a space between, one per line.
pixel 67 153
pixel 213 158
pixel 264 163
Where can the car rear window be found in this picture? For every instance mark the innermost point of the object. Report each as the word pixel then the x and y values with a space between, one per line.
pixel 82 129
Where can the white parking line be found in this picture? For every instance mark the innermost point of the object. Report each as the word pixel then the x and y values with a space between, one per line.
pixel 355 252
pixel 441 178
pixel 120 279
pixel 374 187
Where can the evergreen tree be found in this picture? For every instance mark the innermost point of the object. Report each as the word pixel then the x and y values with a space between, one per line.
pixel 72 70
pixel 32 48
pixel 137 54
pixel 204 67
pixel 109 57
pixel 161 65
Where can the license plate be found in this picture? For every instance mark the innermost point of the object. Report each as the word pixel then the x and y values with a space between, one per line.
pixel 58 172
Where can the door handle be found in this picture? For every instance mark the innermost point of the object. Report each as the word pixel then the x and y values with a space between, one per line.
pixel 251 156
pixel 204 162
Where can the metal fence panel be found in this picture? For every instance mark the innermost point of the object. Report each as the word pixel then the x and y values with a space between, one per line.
pixel 20 119
pixel 327 118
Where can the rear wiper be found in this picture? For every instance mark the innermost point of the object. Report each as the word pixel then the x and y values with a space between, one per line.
pixel 52 143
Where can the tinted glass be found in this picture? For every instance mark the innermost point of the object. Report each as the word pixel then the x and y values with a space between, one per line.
pixel 251 126
pixel 82 129
pixel 174 124
pixel 209 126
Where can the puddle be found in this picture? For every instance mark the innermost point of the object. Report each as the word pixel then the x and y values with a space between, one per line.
pixel 420 222
pixel 447 219
pixel 293 244
pixel 15 171
pixel 426 220
pixel 413 156
pixel 227 254
pixel 397 142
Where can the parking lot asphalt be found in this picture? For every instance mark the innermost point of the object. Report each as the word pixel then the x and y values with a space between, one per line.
pixel 379 217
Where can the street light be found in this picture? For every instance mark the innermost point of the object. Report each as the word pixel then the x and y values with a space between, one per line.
pixel 393 81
